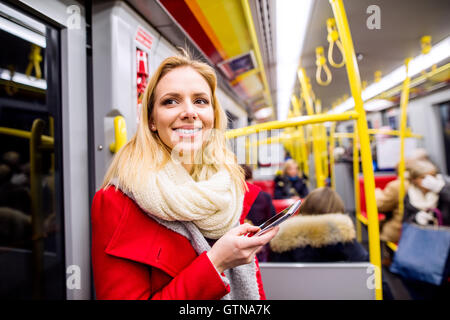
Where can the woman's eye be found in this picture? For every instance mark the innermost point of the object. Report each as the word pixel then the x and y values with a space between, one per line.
pixel 201 101
pixel 169 101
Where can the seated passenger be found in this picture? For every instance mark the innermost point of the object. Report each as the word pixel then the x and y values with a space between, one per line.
pixel 291 183
pixel 321 232
pixel 428 203
pixel 428 199
pixel 261 210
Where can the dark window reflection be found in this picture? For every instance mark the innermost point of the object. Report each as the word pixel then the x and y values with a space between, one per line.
pixel 31 254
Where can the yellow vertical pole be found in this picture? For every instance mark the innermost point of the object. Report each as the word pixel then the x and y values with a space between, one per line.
pixel 356 188
pixel 301 138
pixel 315 133
pixel 324 150
pixel 322 139
pixel 366 155
pixel 255 151
pixel 247 150
pixel 403 119
pixel 332 173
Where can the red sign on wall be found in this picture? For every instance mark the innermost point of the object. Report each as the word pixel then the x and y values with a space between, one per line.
pixel 144 38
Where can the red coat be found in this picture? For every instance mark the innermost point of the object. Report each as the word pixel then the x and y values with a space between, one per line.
pixel 134 257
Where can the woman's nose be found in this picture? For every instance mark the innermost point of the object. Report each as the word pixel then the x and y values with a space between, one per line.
pixel 189 111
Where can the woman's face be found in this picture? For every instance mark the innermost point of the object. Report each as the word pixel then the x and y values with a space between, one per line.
pixel 292 170
pixel 418 181
pixel 183 110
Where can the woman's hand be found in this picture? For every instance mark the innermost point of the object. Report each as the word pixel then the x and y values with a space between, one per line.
pixel 234 248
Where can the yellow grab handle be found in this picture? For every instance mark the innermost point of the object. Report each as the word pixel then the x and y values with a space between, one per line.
pixel 321 63
pixel 120 134
pixel 333 37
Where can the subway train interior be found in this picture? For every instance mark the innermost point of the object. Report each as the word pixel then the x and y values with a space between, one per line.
pixel 350 94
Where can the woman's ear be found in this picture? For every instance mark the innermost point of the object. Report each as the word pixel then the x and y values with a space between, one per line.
pixel 152 124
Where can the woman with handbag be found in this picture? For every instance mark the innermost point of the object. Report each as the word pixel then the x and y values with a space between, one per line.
pixel 422 258
pixel 165 224
pixel 428 198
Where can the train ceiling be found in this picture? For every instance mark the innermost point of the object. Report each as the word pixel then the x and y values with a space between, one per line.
pixel 218 31
pixel 403 23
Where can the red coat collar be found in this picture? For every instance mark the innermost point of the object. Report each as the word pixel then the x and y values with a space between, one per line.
pixel 140 238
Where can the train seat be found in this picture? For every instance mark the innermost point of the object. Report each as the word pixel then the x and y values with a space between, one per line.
pixel 281 204
pixel 266 185
pixel 317 281
pixel 380 182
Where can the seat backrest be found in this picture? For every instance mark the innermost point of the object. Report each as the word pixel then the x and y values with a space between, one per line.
pixel 380 182
pixel 266 185
pixel 318 281
pixel 281 204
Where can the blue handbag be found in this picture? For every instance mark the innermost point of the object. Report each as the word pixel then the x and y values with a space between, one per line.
pixel 422 253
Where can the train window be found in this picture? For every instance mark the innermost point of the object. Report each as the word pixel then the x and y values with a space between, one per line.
pixel 31 226
pixel 231 120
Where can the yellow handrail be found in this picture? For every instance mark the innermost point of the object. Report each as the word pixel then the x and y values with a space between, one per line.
pixel 301 137
pixel 292 122
pixel 403 119
pixel 356 188
pixel 24 134
pixel 408 133
pixel 332 172
pixel 366 155
pixel 320 180
pixel 415 82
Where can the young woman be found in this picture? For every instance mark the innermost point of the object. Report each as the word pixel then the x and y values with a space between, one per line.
pixel 322 232
pixel 165 224
pixel 290 184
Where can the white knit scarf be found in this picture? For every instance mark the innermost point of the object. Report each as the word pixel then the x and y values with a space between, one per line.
pixel 422 201
pixel 214 204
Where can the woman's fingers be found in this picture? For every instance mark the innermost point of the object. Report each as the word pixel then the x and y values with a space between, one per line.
pixel 244 229
pixel 261 240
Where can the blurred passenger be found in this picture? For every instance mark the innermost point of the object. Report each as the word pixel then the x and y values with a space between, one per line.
pixel 15 227
pixel 14 184
pixel 427 203
pixel 165 224
pixel 291 183
pixel 428 199
pixel 387 203
pixel 322 232
pixel 262 209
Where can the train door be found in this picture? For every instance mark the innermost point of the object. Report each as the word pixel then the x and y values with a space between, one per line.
pixel 32 255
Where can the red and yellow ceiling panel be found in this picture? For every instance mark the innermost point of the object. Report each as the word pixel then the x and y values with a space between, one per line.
pixel 219 29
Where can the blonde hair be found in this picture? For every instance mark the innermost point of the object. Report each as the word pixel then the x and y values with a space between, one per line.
pixel 288 163
pixel 420 168
pixel 140 156
pixel 321 201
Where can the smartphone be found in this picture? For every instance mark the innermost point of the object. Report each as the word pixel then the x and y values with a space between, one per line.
pixel 279 218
